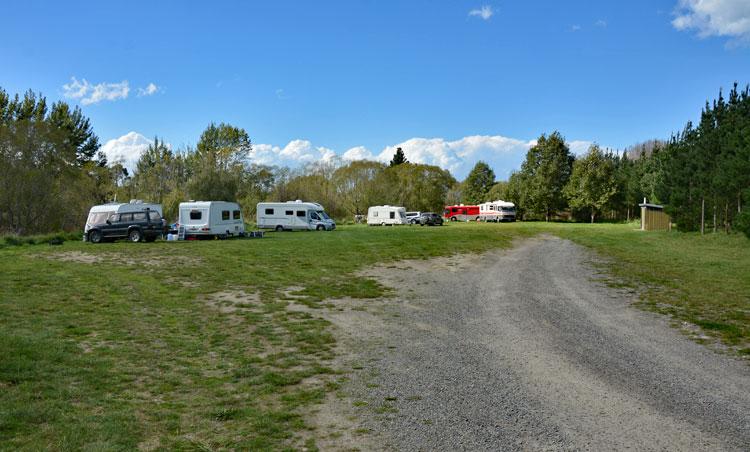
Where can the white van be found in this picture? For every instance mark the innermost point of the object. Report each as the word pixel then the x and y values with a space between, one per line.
pixel 221 219
pixel 383 215
pixel 293 215
pixel 497 211
pixel 98 215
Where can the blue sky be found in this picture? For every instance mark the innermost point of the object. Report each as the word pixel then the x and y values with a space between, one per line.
pixel 450 81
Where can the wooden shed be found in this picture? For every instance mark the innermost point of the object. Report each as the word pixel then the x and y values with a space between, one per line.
pixel 653 218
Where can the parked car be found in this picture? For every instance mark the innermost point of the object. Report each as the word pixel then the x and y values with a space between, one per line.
pixel 144 225
pixel 430 219
pixel 411 217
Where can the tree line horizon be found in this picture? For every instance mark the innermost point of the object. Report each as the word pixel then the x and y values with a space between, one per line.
pixel 52 171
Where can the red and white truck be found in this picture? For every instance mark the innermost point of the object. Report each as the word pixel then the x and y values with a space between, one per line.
pixel 461 213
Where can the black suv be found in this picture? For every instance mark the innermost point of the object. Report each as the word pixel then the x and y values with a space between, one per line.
pixel 429 219
pixel 135 226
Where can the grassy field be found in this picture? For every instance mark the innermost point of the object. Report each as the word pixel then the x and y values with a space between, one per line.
pixel 191 346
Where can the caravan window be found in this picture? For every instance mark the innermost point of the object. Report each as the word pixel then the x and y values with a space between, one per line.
pixel 301 213
pixel 401 214
pixel 289 212
pixel 224 215
pixel 269 211
pixel 237 215
pixel 97 218
pixel 375 214
pixel 393 215
pixel 196 214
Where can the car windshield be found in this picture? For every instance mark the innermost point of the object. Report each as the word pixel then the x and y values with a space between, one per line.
pixel 323 215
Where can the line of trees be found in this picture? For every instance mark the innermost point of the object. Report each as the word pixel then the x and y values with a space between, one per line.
pixel 51 172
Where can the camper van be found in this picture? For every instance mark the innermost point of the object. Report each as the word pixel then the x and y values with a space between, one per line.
pixel 386 215
pixel 135 221
pixel 497 211
pixel 293 215
pixel 206 219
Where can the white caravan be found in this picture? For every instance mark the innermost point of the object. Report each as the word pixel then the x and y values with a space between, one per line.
pixel 198 219
pixel 383 215
pixel 101 213
pixel 497 211
pixel 293 215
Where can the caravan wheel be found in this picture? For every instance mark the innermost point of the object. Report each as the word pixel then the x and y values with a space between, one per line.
pixel 279 228
pixel 321 227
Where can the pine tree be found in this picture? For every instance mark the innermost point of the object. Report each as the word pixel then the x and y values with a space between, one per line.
pixel 398 158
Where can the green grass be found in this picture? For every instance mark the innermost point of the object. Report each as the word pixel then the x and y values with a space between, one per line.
pixel 703 280
pixel 119 354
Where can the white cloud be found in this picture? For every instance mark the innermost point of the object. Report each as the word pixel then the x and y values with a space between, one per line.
pixel 728 18
pixel 126 150
pixel 575 28
pixel 295 153
pixel 601 23
pixel 148 90
pixel 280 94
pixel 579 147
pixel 503 154
pixel 88 93
pixel 485 12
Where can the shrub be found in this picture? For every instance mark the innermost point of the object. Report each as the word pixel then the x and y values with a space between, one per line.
pixel 742 222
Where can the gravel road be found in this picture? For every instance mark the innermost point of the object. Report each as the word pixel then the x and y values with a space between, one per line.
pixel 524 349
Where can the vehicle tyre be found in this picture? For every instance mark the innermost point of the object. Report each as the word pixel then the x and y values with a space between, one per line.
pixel 279 228
pixel 454 219
pixel 421 224
pixel 95 236
pixel 135 235
pixel 321 227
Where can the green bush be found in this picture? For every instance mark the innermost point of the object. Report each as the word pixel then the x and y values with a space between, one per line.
pixel 742 222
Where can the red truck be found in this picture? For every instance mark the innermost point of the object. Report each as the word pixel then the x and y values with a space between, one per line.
pixel 461 213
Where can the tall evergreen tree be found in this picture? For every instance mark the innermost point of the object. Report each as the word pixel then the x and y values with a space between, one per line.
pixel 398 158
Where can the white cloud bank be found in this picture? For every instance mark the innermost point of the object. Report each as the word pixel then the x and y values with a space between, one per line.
pixel 727 18
pixel 126 150
pixel 88 93
pixel 485 12
pixel 503 154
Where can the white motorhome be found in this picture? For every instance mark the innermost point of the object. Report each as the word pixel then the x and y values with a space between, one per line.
pixel 100 214
pixel 293 215
pixel 203 219
pixel 386 215
pixel 497 211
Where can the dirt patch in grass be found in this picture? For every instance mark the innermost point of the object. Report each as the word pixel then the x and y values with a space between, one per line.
pixel 229 301
pixel 76 256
